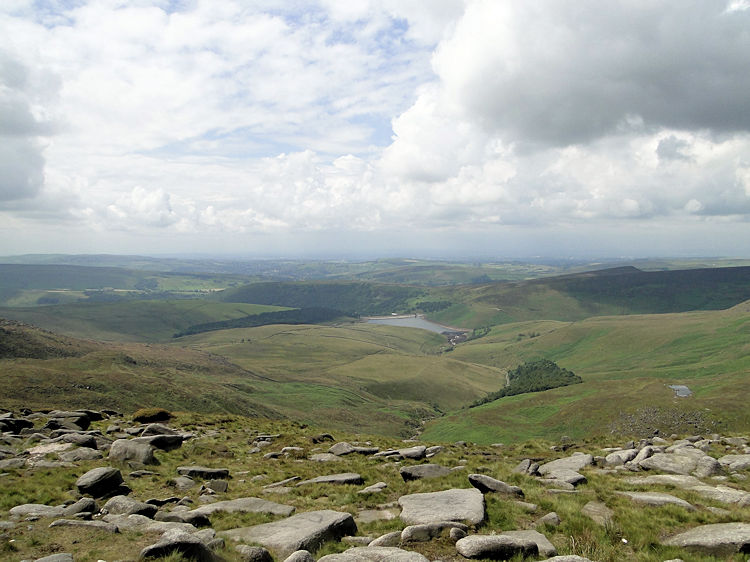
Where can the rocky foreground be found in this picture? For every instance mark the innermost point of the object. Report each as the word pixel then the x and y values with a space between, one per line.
pixel 90 485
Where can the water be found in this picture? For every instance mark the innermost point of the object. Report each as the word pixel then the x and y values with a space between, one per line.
pixel 411 322
pixel 680 390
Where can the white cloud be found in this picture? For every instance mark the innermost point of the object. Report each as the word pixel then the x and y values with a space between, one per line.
pixel 227 118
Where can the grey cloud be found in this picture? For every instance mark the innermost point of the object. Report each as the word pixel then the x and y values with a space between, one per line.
pixel 673 148
pixel 21 153
pixel 569 72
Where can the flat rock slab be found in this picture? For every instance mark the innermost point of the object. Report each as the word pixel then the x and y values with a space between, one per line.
pixel 486 484
pixel 375 554
pixel 304 531
pixel 735 462
pixel 495 547
pixel 676 480
pixel 36 510
pixel 245 505
pixel 99 525
pixel 370 515
pixel 657 499
pixel 545 547
pixel 420 471
pixel 574 462
pixel 343 478
pixel 464 504
pixel 723 494
pixel 325 457
pixel 203 472
pixel 598 513
pixel 722 539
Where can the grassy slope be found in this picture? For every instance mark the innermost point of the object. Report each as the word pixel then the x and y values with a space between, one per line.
pixel 626 363
pixel 130 321
pixel 363 376
pixel 54 371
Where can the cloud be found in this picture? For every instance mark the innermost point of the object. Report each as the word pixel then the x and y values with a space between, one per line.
pixel 307 121
pixel 22 123
pixel 552 73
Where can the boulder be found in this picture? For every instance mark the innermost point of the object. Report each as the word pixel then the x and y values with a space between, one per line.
pixel 123 505
pixel 300 556
pixel 124 450
pixel 374 554
pixel 568 476
pixel 189 517
pixel 670 462
pixel 84 505
pixel 324 457
pixel 598 513
pixel 101 482
pixel 416 453
pixel 428 531
pixel 735 463
pixel 164 442
pixel 495 547
pixel 721 539
pixel 545 547
pixel 389 539
pixel 343 478
pixel 618 458
pixel 304 531
pixel 487 484
pixel 157 429
pixel 374 489
pixel 189 546
pixel 80 454
pixel 464 504
pixel 253 553
pixel 420 471
pixel 80 439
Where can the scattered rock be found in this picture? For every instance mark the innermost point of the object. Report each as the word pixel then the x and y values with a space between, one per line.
pixel 124 450
pixel 598 513
pixel 657 499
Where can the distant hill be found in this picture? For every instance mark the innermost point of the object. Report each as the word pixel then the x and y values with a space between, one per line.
pixel 351 298
pixel 616 291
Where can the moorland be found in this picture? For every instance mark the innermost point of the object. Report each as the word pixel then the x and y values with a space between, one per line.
pixel 559 358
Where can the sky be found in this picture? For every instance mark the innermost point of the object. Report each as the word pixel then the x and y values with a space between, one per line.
pixel 448 128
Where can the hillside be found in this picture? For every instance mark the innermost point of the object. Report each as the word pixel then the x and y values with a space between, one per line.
pixel 626 363
pixel 351 298
pixel 622 290
pixel 41 369
pixel 145 321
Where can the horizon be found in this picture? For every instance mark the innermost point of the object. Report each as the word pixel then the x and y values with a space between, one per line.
pixel 379 127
